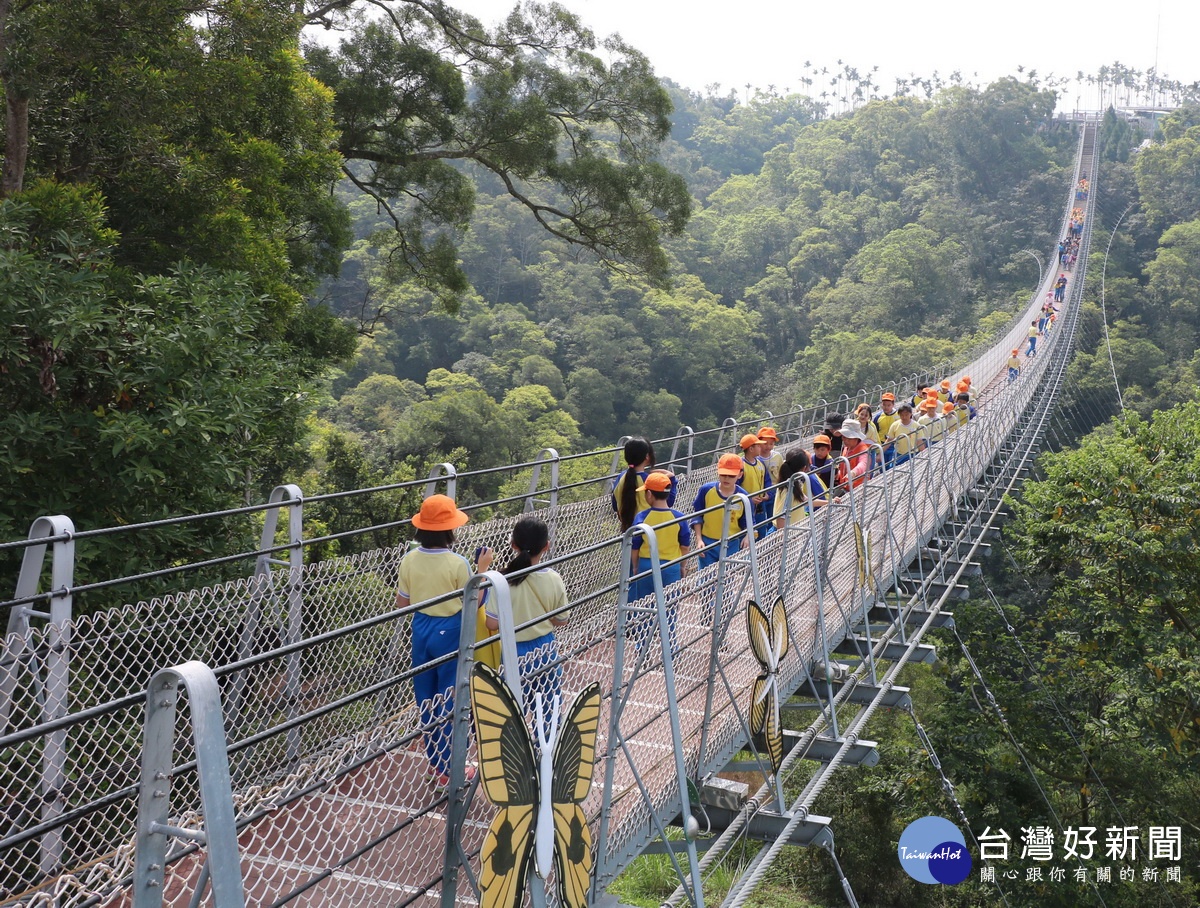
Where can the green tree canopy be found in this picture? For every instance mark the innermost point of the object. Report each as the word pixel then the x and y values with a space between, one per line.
pixel 126 397
pixel 1114 527
pixel 567 125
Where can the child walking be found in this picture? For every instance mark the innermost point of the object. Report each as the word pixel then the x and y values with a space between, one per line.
pixel 427 573
pixel 539 602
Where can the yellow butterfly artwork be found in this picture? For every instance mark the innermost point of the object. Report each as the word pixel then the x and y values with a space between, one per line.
pixel 862 551
pixel 540 800
pixel 769 641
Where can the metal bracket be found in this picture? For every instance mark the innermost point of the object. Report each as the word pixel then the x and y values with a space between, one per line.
pixel 56 681
pixel 546 455
pixel 216 794
pixel 442 471
pixel 893 651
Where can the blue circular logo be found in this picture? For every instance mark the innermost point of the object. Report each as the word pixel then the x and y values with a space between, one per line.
pixel 932 850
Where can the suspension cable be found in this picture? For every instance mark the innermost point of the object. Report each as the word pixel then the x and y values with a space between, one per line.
pixel 1017 745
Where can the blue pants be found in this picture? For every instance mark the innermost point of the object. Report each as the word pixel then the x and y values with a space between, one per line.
pixel 1012 374
pixel 762 525
pixel 645 587
pixel 541 673
pixel 1032 351
pixel 433 637
pixel 713 555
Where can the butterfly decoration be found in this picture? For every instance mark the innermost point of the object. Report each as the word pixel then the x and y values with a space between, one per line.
pixel 540 805
pixel 769 640
pixel 862 550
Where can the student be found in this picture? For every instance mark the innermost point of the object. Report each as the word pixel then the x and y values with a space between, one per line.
pixel 674 540
pixel 707 527
pixel 950 420
pixel 822 461
pixel 964 411
pixel 883 421
pixel 754 480
pixel 541 597
pixel 805 487
pixel 774 460
pixel 930 422
pixel 767 440
pixel 1014 366
pixel 427 572
pixel 904 434
pixel 853 470
pixel 1033 338
pixel 626 500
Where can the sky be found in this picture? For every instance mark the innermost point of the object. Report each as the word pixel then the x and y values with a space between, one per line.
pixel 766 42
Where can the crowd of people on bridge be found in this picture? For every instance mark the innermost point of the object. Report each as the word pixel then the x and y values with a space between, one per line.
pixel 846 453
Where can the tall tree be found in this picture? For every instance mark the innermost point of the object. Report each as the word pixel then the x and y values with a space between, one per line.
pixel 127 397
pixel 568 126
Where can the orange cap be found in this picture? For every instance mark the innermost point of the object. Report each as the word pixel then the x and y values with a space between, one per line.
pixel 748 440
pixel 888 395
pixel 823 440
pixel 945 384
pixel 963 386
pixel 438 512
pixel 948 407
pixel 766 433
pixel 929 404
pixel 1015 352
pixel 657 482
pixel 729 465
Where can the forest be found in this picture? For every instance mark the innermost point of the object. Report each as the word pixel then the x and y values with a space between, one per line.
pixel 430 240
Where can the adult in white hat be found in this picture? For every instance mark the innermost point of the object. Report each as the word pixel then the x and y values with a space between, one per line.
pixel 856 453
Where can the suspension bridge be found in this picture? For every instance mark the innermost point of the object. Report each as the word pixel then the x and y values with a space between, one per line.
pixel 256 741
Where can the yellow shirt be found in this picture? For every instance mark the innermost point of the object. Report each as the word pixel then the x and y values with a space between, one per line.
pixel 904 437
pixel 933 426
pixel 711 524
pixel 642 502
pixel 774 462
pixel 810 484
pixel 429 573
pixel 670 539
pixel 754 475
pixel 883 422
pixel 539 594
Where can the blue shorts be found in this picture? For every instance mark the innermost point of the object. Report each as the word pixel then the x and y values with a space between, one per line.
pixel 713 555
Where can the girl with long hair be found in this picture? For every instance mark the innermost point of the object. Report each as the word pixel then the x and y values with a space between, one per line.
pixel 539 605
